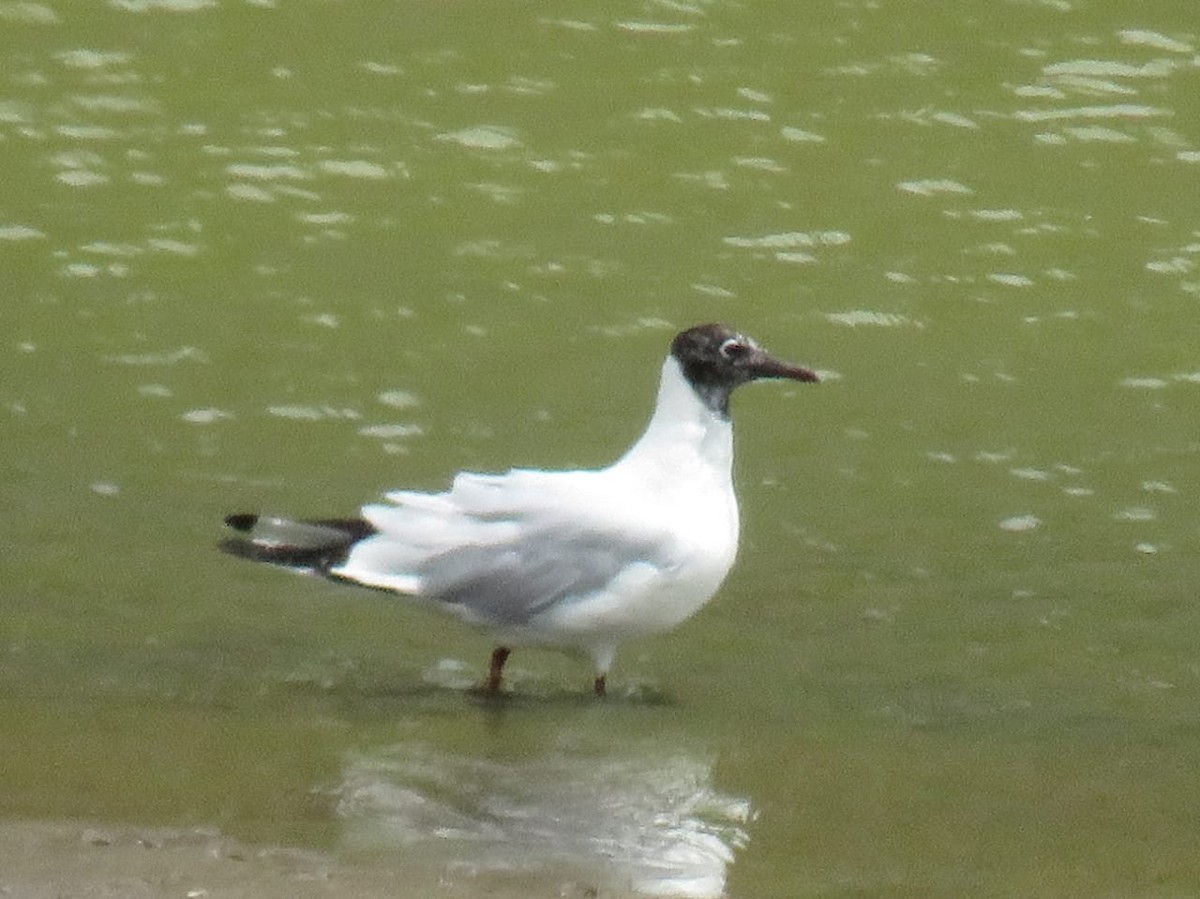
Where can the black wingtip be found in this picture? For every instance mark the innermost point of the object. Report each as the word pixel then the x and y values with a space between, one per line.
pixel 242 521
pixel 313 544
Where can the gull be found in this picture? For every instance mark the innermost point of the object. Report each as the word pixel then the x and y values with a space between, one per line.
pixel 580 561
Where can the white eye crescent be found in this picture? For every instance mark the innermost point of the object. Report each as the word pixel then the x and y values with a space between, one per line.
pixel 733 348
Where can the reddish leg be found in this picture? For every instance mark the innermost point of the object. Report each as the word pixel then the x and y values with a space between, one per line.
pixel 495 673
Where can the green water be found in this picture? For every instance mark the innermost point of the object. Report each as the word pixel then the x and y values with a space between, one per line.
pixel 285 256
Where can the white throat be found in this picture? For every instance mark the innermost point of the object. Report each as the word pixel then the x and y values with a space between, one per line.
pixel 684 434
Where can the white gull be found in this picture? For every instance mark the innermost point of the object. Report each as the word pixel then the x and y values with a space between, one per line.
pixel 580 561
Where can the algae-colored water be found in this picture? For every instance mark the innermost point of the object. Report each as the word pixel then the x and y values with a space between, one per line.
pixel 283 256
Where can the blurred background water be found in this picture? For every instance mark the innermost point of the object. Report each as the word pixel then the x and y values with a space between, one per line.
pixel 288 255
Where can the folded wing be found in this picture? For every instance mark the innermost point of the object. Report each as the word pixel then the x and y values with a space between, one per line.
pixel 501 549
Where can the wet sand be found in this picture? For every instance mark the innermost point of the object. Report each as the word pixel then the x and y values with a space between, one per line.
pixel 53 860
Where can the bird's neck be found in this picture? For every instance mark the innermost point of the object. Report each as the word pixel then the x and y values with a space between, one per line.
pixel 684 433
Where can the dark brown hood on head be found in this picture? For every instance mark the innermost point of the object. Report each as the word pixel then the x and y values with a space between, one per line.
pixel 716 359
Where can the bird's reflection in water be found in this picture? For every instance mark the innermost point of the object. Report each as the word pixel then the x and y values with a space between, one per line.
pixel 650 822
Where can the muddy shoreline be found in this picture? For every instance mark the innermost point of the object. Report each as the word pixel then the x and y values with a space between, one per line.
pixel 52 860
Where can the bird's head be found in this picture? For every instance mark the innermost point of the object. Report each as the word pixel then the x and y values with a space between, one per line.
pixel 716 359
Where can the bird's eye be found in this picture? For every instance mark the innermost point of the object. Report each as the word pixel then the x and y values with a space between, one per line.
pixel 732 348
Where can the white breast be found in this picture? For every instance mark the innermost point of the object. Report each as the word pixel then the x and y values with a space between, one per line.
pixel 675 483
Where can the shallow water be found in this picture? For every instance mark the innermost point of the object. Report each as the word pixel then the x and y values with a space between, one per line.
pixel 283 257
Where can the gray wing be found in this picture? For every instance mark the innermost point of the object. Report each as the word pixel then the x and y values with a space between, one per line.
pixel 510 583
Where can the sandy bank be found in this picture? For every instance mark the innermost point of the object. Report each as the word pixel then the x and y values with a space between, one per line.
pixel 57 860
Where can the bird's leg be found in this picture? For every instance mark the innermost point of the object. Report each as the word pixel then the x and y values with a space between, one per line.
pixel 495 672
pixel 598 685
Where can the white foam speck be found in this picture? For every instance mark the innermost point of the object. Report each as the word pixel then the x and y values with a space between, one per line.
pixel 800 136
pixel 856 317
pixel 993 457
pixel 1098 133
pixel 399 399
pixel 790 239
pixel 754 96
pixel 83 58
pixel 256 172
pixel 762 163
pixel 714 290
pixel 1130 111
pixel 1136 513
pixel 324 319
pixel 1030 474
pixel 654 27
pixel 483 137
pixel 168 357
pixel 28 13
pixel 998 215
pixel 714 180
pixel 732 114
pixel 1154 39
pixel 1106 68
pixel 176 247
pixel 82 178
pixel 296 413
pixel 1020 523
pixel 205 416
pixel 168 5
pixel 1009 279
pixel 355 168
pixel 250 192
pixel 392 431
pixel 1158 487
pixel 796 257
pixel 326 218
pixel 929 187
pixel 381 68
pixel 657 114
pixel 955 119
pixel 19 232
